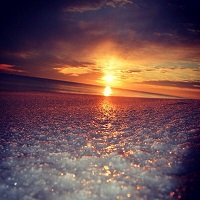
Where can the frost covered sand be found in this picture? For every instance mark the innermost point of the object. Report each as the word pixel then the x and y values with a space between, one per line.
pixel 82 147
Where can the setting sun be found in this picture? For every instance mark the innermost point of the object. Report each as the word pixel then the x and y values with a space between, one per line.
pixel 108 78
pixel 107 91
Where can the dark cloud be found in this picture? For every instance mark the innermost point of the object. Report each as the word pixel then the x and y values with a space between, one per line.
pixel 131 71
pixel 165 67
pixel 179 84
pixel 165 22
pixel 31 24
pixel 27 25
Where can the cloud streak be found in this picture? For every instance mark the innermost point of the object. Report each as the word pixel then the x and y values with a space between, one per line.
pixel 71 71
pixel 9 68
pixel 92 5
pixel 178 84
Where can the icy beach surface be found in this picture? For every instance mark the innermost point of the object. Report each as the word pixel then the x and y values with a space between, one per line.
pixel 82 147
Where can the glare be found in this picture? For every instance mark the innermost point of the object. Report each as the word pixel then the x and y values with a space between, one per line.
pixel 107 91
pixel 108 78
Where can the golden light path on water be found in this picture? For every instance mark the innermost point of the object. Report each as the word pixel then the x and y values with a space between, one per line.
pixel 94 147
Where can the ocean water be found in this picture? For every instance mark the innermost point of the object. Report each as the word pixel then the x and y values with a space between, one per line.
pixel 86 147
pixel 11 82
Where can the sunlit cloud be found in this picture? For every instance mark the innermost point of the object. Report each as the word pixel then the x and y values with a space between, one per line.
pixel 162 73
pixel 91 5
pixel 9 68
pixel 73 71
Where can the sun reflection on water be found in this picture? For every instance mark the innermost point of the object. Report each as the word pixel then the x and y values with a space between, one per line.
pixel 107 106
pixel 107 91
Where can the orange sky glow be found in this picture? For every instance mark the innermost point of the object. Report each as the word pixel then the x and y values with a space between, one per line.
pixel 136 45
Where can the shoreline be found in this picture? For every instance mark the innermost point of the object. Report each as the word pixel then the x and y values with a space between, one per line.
pixel 97 95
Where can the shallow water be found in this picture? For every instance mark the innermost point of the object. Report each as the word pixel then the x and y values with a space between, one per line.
pixel 83 147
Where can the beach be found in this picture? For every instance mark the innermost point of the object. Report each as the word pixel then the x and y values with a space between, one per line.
pixel 88 147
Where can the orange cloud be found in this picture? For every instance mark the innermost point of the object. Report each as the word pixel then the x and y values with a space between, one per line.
pixel 72 71
pixel 9 68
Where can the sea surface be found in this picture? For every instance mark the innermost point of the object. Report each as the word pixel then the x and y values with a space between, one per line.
pixel 18 83
pixel 72 146
pixel 87 147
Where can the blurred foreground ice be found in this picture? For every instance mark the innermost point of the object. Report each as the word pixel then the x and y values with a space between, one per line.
pixel 81 147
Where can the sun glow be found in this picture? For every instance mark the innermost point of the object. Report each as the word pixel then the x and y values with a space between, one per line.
pixel 108 78
pixel 107 91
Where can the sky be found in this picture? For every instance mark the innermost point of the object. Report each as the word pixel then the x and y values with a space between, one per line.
pixel 145 45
